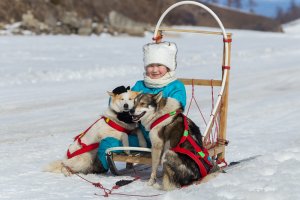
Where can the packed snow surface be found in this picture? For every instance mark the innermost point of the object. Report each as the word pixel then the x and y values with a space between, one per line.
pixel 54 87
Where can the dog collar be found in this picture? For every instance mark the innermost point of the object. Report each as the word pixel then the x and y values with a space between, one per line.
pixel 164 117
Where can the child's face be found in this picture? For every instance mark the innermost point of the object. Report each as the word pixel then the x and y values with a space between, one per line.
pixel 156 71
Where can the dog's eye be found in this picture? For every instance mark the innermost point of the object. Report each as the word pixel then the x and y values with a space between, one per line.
pixel 122 99
pixel 130 99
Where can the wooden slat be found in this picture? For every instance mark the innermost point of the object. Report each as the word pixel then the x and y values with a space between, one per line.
pixel 224 102
pixel 132 159
pixel 204 82
pixel 192 31
pixel 147 159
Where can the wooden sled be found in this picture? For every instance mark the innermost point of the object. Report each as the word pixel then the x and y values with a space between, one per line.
pixel 216 148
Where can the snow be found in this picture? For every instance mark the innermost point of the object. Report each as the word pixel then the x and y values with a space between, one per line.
pixel 54 87
pixel 293 26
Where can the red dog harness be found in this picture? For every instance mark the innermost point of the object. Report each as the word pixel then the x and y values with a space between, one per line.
pixel 202 153
pixel 86 148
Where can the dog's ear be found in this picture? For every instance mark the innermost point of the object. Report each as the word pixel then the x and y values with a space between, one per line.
pixel 110 93
pixel 128 88
pixel 158 97
pixel 135 94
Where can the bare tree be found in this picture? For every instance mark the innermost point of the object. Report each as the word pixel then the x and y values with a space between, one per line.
pixel 292 13
pixel 229 3
pixel 237 4
pixel 252 4
pixel 279 13
pixel 293 6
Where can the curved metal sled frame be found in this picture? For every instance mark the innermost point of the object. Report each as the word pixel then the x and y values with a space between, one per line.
pixel 221 106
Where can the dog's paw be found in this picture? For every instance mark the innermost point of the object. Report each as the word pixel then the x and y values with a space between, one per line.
pixel 157 186
pixel 66 172
pixel 151 182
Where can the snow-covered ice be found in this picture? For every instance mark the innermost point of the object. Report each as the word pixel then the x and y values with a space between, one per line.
pixel 53 87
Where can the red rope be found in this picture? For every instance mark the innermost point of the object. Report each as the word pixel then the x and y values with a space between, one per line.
pixel 212 140
pixel 225 67
pixel 107 191
pixel 130 195
pixel 227 40
pixel 158 38
pixel 193 98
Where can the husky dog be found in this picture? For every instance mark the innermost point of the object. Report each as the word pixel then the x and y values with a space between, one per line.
pixel 115 122
pixel 178 169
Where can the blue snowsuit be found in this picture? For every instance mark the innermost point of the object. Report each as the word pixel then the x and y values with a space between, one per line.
pixel 174 89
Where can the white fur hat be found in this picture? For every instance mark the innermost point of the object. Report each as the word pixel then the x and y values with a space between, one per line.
pixel 160 53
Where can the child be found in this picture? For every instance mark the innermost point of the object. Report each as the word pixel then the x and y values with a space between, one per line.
pixel 160 64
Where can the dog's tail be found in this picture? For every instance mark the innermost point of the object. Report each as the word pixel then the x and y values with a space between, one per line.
pixel 55 167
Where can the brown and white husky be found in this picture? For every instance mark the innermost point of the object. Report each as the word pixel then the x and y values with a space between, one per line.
pixel 82 154
pixel 168 127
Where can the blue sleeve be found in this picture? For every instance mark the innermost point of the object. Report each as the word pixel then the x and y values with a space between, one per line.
pixel 137 86
pixel 179 93
pixel 174 90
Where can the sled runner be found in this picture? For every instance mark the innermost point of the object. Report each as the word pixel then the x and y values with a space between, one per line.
pixel 214 136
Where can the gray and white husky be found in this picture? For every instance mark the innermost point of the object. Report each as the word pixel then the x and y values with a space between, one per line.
pixel 87 162
pixel 178 169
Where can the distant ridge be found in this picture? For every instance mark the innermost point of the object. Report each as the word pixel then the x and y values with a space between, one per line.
pixel 145 11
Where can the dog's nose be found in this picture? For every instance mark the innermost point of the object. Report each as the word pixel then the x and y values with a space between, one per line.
pixel 126 106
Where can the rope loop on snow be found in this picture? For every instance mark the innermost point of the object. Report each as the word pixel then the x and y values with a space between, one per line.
pixel 107 191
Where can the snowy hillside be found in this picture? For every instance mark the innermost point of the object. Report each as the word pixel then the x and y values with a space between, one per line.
pixel 54 87
pixel 292 27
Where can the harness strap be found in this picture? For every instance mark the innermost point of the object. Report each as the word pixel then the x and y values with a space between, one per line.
pixel 83 133
pixel 116 126
pixel 202 169
pixel 86 148
pixel 201 154
pixel 164 117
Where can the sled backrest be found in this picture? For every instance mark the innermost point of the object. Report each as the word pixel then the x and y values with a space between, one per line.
pixel 222 109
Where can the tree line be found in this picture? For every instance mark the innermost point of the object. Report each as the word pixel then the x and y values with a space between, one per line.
pixel 292 13
pixel 251 4
pixel 283 16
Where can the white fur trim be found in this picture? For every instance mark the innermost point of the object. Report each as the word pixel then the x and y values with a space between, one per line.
pixel 162 53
